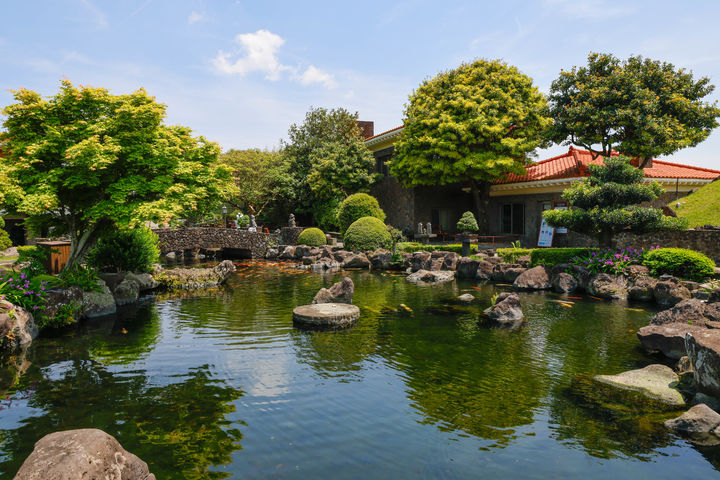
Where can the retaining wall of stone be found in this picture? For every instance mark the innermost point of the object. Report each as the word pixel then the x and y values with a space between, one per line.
pixel 174 240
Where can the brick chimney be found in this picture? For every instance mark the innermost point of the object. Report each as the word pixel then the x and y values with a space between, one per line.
pixel 367 129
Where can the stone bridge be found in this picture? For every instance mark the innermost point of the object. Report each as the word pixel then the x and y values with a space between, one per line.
pixel 239 242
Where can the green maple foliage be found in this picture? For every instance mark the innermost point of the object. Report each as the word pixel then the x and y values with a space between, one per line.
pixel 84 160
pixel 473 124
pixel 639 107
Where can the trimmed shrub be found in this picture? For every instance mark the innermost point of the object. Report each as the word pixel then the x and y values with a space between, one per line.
pixel 133 250
pixel 4 236
pixel 313 237
pixel 553 256
pixel 510 255
pixel 357 206
pixel 411 247
pixel 367 233
pixel 679 262
pixel 467 223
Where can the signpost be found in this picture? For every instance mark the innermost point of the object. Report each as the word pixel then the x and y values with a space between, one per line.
pixel 546 235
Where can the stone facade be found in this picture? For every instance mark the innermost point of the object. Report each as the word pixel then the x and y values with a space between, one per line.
pixel 397 202
pixel 195 238
pixel 289 235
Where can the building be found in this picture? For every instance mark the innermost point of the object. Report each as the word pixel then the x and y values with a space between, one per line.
pixel 516 201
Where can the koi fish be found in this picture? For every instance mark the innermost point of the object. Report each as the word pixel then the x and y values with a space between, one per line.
pixel 635 309
pixel 566 305
pixel 563 302
pixel 575 298
pixel 597 298
pixel 476 288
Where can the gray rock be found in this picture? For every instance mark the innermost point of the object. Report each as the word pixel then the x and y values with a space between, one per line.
pixel 690 312
pixel 701 294
pixel 466 298
pixel 380 259
pixel 524 261
pixel 712 312
pixel 642 288
pixel 711 402
pixel 714 295
pixel 467 267
pixel 341 255
pixel 669 291
pixel 145 281
pixel 302 251
pixel 563 282
pixel 506 272
pixel 17 327
pixel 191 278
pixel 98 303
pixel 358 260
pixel 326 315
pixel 699 419
pixel 421 261
pixel 57 299
pixel 341 292
pixel 604 285
pixel 87 453
pixel 684 365
pixel 703 348
pixel 422 277
pixel 127 292
pixel 507 311
pixel 668 338
pixel 170 255
pixel 655 382
pixel 450 261
pixel 536 278
pixel 634 271
pixel 288 253
pixel 484 270
pixel 436 264
pixel 272 253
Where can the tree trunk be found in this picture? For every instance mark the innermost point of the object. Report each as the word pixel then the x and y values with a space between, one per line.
pixel 606 240
pixel 80 245
pixel 481 196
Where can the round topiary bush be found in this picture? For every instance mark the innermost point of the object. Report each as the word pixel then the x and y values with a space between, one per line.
pixel 356 207
pixel 367 233
pixel 313 237
pixel 680 262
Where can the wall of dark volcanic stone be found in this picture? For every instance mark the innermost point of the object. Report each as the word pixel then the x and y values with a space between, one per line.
pixel 705 241
pixel 174 240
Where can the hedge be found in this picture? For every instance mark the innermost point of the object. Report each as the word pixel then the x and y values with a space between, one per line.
pixel 313 237
pixel 366 234
pixel 554 256
pixel 357 206
pixel 679 262
pixel 411 247
pixel 510 255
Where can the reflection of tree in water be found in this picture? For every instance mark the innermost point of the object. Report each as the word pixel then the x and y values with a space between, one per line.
pixel 114 342
pixel 179 429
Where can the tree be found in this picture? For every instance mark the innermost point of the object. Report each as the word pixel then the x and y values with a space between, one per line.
pixel 258 176
pixel 606 203
pixel 639 107
pixel 87 160
pixel 341 168
pixel 321 128
pixel 473 124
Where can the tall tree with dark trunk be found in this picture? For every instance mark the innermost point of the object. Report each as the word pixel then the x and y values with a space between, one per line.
pixel 470 125
pixel 84 160
pixel 640 107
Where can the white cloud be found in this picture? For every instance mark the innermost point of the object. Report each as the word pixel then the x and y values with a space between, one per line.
pixel 260 51
pixel 314 75
pixel 195 17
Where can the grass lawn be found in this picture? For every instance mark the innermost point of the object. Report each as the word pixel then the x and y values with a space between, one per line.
pixel 701 207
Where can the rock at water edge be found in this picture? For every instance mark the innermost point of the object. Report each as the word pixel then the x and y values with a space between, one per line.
pixel 341 292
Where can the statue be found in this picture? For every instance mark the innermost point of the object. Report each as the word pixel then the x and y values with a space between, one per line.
pixel 429 228
pixel 420 227
pixel 253 224
pixel 291 222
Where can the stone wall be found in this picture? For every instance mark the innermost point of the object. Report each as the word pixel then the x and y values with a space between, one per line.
pixel 289 235
pixel 175 240
pixel 705 241
pixel 396 201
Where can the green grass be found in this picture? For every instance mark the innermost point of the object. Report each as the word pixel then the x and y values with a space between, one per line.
pixel 700 207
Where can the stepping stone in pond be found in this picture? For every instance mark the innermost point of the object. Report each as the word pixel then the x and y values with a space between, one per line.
pixel 326 315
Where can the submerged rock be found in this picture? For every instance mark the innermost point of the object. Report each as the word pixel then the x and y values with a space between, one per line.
pixel 656 383
pixel 466 298
pixel 341 292
pixel 507 311
pixel 87 453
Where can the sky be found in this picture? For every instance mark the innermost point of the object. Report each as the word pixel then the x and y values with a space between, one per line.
pixel 241 72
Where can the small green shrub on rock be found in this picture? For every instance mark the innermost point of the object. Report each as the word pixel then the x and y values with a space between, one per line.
pixel 412 247
pixel 467 223
pixel 679 262
pixel 313 237
pixel 356 207
pixel 554 256
pixel 4 236
pixel 133 250
pixel 367 233
pixel 510 255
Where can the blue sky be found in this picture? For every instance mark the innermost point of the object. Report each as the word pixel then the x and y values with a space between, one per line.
pixel 241 72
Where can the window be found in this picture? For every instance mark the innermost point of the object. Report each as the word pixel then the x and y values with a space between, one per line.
pixel 381 165
pixel 512 218
pixel 442 219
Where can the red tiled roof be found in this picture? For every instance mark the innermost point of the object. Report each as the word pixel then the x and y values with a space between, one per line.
pixel 574 164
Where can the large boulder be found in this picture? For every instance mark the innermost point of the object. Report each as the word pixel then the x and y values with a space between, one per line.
pixel 191 278
pixel 380 259
pixel 703 348
pixel 82 454
pixel 98 302
pixel 669 339
pixel 450 261
pixel 507 311
pixel 17 327
pixel 642 288
pixel 288 253
pixel 484 270
pixel 669 291
pixel 422 277
pixel 506 272
pixel 689 312
pixel 420 261
pixel 58 299
pixel 127 292
pixel 467 267
pixel 699 419
pixel 358 260
pixel 656 383
pixel 536 278
pixel 563 282
pixel 341 255
pixel 145 281
pixel 604 285
pixel 341 292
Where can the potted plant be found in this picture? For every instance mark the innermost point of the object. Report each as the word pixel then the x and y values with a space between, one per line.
pixel 467 225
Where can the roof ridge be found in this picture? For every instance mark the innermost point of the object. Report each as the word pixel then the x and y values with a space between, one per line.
pixel 383 133
pixel 665 162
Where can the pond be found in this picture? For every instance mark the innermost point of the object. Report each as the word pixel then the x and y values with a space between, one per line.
pixel 220 385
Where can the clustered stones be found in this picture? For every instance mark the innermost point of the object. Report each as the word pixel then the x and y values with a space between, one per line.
pixel 197 238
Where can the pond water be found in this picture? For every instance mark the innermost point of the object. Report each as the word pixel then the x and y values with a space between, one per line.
pixel 220 385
